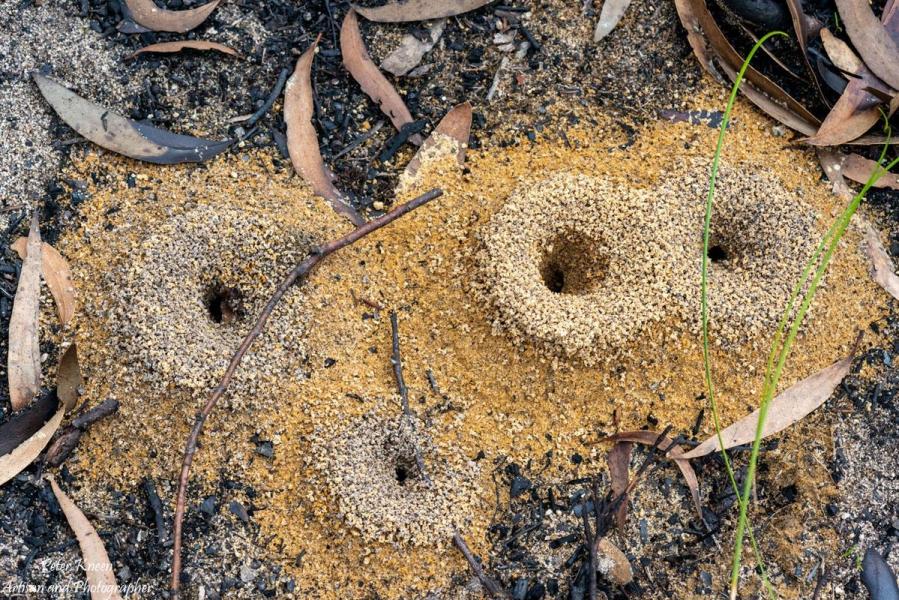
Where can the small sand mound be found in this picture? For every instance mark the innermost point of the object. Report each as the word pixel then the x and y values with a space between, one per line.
pixel 582 265
pixel 372 471
pixel 188 299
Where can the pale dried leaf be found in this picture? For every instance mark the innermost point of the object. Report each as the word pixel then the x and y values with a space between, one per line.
pixel 609 16
pixel 882 269
pixel 130 138
pixel 832 163
pixel 146 13
pixel 456 127
pixel 612 563
pixel 787 408
pixel 24 454
pixel 370 78
pixel 675 453
pixel 411 50
pixel 619 460
pixel 57 274
pixel 419 10
pixel 858 168
pixel 869 36
pixel 68 378
pixel 97 566
pixel 178 46
pixel 302 140
pixel 24 359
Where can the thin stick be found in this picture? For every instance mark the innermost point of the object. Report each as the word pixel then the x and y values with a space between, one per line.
pixel 397 361
pixel 299 272
pixel 591 542
pixel 492 587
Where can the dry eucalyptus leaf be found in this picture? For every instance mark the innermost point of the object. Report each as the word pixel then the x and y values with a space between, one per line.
pixel 15 462
pixel 302 141
pixel 68 378
pixel 858 168
pixel 24 359
pixel 832 163
pixel 882 269
pixel 146 13
pixel 411 50
pixel 130 138
pixel 675 453
pixel 178 46
pixel 419 10
pixel 619 460
pixel 455 125
pixel 25 423
pixel 857 110
pixel 97 567
pixel 787 408
pixel 57 274
pixel 612 563
pixel 612 11
pixel 370 78
pixel 869 36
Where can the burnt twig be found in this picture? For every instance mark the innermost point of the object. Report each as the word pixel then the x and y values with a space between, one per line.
pixel 490 584
pixel 397 361
pixel 68 439
pixel 156 506
pixel 298 273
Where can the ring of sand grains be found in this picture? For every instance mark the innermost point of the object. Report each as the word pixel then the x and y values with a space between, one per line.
pixel 371 469
pixel 186 301
pixel 581 265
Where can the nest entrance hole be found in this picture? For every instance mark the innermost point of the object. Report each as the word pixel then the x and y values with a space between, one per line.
pixel 223 303
pixel 573 264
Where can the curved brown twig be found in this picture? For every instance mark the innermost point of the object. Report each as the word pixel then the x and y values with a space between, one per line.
pixel 298 273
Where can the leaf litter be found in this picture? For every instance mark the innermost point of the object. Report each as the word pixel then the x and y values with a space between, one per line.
pixel 24 360
pixel 57 275
pixel 147 14
pixel 178 46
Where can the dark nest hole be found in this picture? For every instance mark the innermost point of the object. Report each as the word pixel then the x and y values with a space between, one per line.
pixel 573 264
pixel 224 304
pixel 400 456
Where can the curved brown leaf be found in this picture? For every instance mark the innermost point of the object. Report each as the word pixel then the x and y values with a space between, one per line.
pixel 57 274
pixel 698 21
pixel 676 453
pixel 787 408
pixel 857 110
pixel 456 124
pixel 419 10
pixel 859 169
pixel 869 36
pixel 370 78
pixel 68 378
pixel 771 108
pixel 302 141
pixel 178 46
pixel 24 454
pixel 97 567
pixel 130 138
pixel 882 270
pixel 146 13
pixel 832 163
pixel 24 423
pixel 619 459
pixel 24 359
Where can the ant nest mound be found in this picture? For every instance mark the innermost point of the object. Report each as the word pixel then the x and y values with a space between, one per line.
pixel 580 266
pixel 372 470
pixel 193 289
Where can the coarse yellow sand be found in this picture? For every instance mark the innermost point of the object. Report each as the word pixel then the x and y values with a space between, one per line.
pixel 496 395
